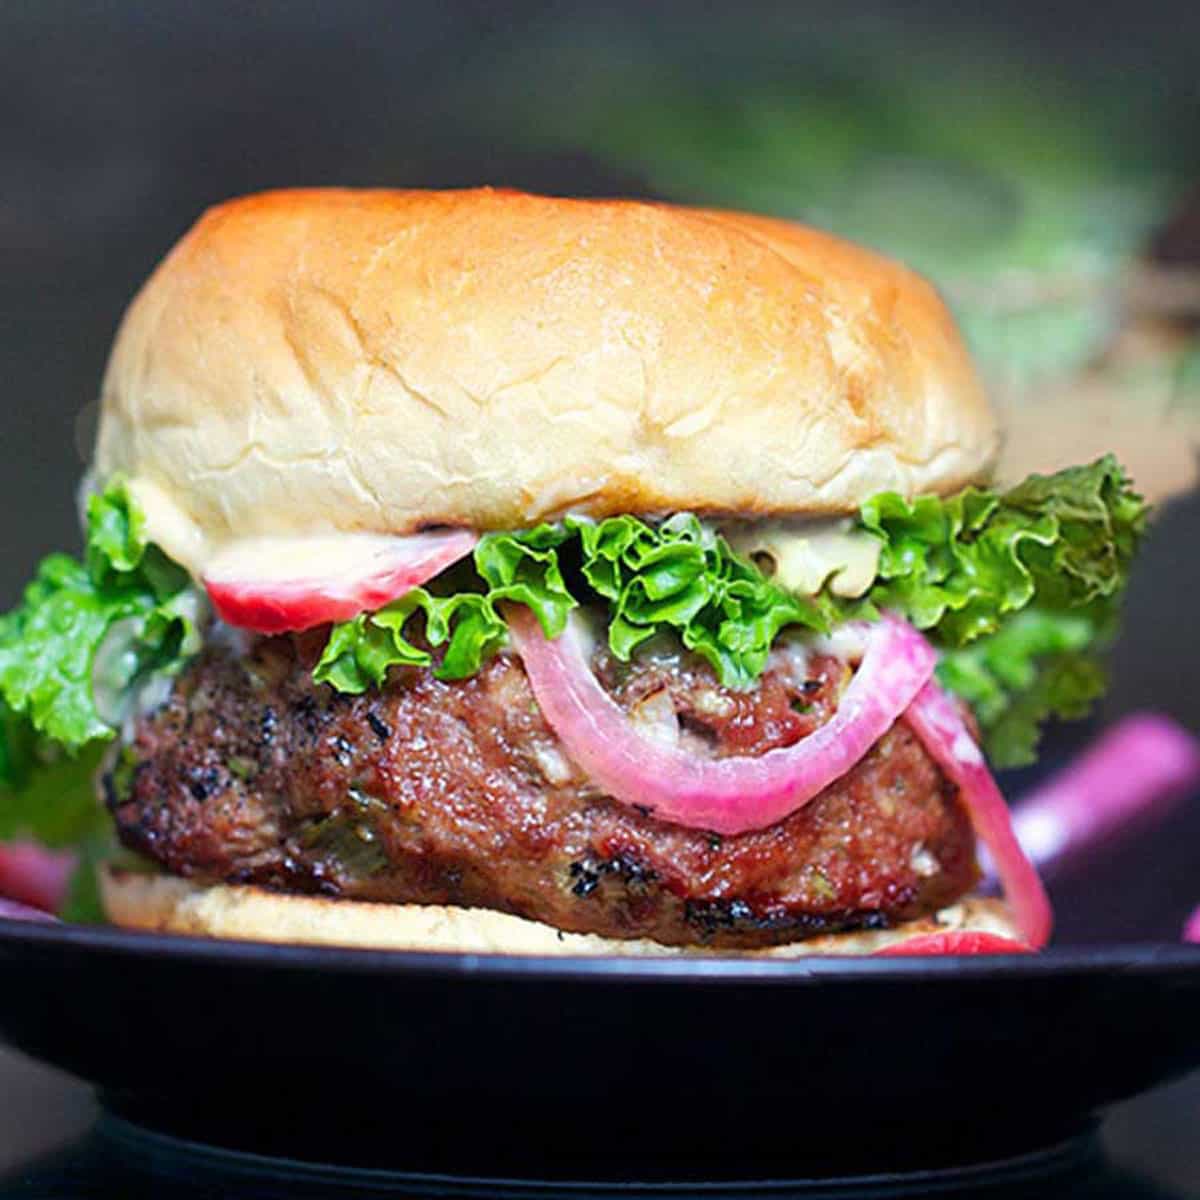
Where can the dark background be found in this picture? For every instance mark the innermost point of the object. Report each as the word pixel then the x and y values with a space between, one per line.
pixel 120 122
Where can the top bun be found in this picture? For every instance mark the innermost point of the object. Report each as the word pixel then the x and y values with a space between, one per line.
pixel 378 361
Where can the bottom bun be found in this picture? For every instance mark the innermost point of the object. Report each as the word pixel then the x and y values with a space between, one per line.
pixel 165 903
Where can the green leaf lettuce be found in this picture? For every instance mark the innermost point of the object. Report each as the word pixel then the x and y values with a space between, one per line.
pixel 49 645
pixel 1019 590
pixel 677 576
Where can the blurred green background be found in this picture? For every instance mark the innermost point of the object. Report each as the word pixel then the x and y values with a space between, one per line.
pixel 1022 160
pixel 1019 178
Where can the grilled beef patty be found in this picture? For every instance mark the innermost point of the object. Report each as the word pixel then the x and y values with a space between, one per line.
pixel 458 793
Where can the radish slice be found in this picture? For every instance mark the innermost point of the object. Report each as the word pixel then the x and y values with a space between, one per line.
pixel 277 585
pixel 960 942
pixel 726 795
pixel 1138 769
pixel 936 720
pixel 33 875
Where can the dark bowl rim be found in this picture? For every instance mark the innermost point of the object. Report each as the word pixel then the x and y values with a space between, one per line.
pixel 17 936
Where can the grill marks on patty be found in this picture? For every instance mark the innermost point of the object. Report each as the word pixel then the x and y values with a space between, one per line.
pixel 459 793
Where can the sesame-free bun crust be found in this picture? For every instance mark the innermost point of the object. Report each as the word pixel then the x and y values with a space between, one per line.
pixel 312 361
pixel 168 904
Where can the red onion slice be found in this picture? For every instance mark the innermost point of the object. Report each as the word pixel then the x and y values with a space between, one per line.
pixel 282 585
pixel 726 795
pixel 936 720
pixel 953 942
pixel 32 875
pixel 1135 771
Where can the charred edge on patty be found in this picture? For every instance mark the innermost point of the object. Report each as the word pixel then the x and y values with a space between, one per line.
pixel 458 793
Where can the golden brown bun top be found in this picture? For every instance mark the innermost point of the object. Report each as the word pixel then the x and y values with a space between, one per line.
pixel 381 361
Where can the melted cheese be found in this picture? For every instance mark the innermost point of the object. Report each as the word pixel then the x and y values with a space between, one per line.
pixel 805 554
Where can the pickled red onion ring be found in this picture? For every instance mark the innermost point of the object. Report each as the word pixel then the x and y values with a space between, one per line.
pixel 936 720
pixel 726 795
pixel 954 942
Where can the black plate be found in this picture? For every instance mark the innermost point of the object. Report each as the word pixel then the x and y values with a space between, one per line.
pixel 653 1068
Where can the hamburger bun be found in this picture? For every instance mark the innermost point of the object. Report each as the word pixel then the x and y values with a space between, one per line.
pixel 168 904
pixel 318 361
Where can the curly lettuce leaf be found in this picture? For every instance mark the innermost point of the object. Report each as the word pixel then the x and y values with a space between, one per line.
pixel 519 567
pixel 677 576
pixel 49 644
pixel 1020 591
pixel 360 652
pixel 958 567
pixel 524 567
pixel 1038 665
pixel 682 577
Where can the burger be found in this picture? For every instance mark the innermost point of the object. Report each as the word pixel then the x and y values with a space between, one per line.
pixel 483 571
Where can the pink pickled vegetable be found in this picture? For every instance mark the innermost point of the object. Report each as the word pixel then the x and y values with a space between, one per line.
pixel 275 587
pixel 953 942
pixel 938 722
pixel 727 795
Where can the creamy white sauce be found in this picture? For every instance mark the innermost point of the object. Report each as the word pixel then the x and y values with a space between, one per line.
pixel 113 666
pixel 552 763
pixel 804 555
pixel 846 642
pixel 169 528
pixel 120 699
pixel 790 657
pixel 656 719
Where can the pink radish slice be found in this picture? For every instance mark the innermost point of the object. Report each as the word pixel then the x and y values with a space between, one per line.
pixel 277 585
pixel 953 942
pixel 32 875
pixel 727 795
pixel 937 721
pixel 1139 768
